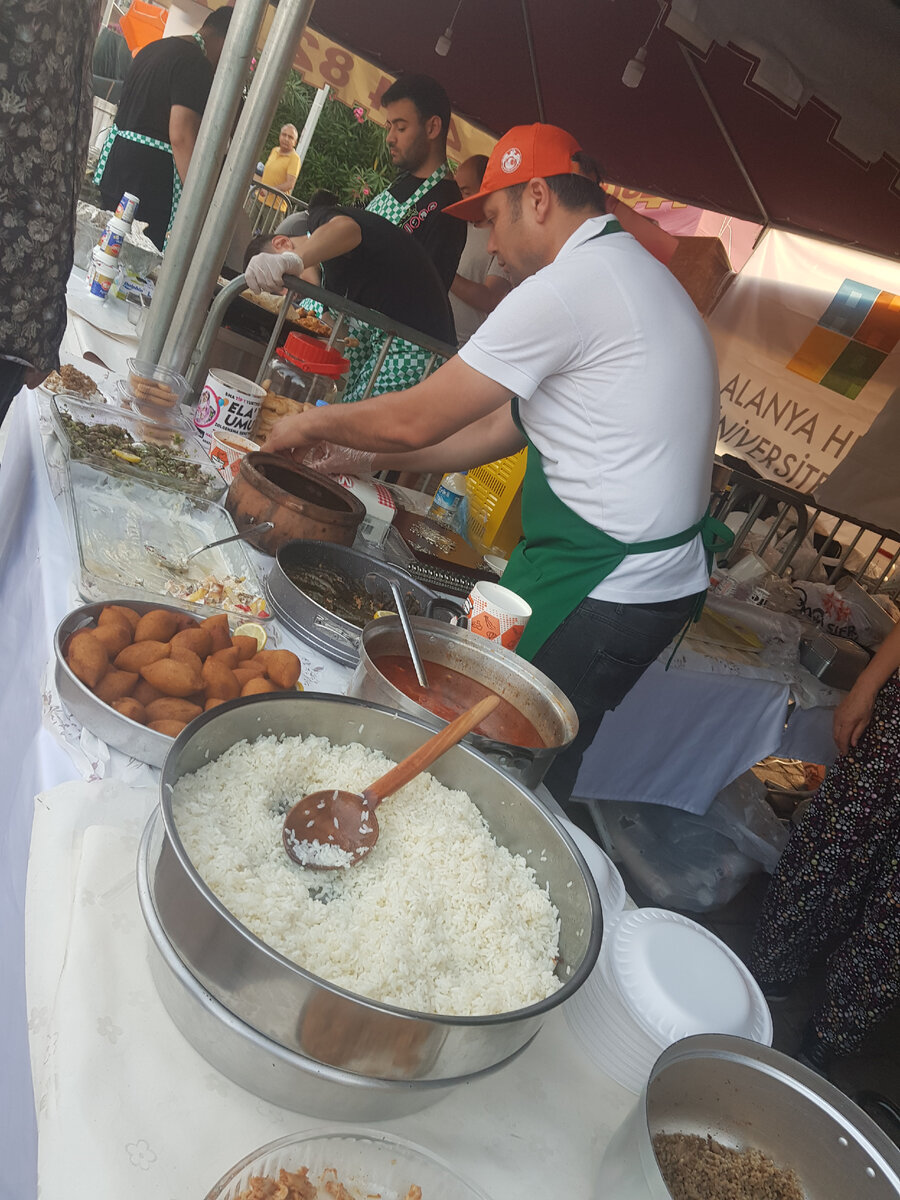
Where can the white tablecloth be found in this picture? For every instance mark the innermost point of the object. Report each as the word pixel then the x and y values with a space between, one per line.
pixel 725 722
pixel 157 1121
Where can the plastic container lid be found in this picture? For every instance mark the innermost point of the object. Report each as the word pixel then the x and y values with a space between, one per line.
pixel 313 356
pixel 676 978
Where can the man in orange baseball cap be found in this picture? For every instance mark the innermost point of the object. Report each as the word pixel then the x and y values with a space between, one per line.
pixel 615 393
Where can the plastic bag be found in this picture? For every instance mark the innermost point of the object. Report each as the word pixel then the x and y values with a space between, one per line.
pixel 698 863
pixel 845 611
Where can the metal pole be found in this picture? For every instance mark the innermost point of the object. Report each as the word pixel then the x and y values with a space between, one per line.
pixel 206 161
pixel 312 120
pixel 215 237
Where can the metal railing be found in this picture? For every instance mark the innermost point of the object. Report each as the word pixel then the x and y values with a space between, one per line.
pixel 796 516
pixel 346 309
pixel 266 207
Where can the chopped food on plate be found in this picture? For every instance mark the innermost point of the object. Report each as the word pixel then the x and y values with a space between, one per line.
pixel 700 1168
pixel 70 379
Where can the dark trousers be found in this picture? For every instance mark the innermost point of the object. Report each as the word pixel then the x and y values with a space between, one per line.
pixel 597 656
pixel 12 376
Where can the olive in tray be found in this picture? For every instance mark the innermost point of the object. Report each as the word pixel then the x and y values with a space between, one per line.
pixel 162 668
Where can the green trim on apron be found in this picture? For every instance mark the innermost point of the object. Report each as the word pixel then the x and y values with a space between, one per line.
pixel 563 557
pixel 141 139
pixel 397 211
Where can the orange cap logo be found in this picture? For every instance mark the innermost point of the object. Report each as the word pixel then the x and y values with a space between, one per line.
pixel 511 160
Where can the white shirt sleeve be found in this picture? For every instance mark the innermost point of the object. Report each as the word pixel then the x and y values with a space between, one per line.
pixel 530 334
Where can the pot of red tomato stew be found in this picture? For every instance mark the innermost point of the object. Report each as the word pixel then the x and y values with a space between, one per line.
pixel 532 723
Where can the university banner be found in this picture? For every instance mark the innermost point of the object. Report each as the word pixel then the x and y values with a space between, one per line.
pixel 807 340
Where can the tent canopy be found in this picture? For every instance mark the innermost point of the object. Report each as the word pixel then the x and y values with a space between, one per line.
pixel 786 112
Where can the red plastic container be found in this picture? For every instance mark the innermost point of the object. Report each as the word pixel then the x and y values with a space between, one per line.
pixel 312 355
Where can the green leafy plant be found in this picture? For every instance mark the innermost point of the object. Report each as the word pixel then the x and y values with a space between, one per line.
pixel 347 155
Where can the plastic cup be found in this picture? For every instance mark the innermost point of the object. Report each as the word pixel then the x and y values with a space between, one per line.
pixel 226 453
pixel 127 207
pixel 496 613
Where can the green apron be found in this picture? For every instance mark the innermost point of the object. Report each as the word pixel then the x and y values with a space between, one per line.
pixel 142 139
pixel 397 211
pixel 563 557
pixel 405 363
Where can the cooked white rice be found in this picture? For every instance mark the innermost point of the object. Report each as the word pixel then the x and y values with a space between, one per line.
pixel 437 918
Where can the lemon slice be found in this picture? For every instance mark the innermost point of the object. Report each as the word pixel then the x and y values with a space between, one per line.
pixel 251 629
pixel 299 686
pixel 126 456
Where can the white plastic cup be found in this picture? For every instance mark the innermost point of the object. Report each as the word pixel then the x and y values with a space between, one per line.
pixel 496 613
pixel 127 207
pixel 227 451
pixel 101 273
pixel 113 236
pixel 228 404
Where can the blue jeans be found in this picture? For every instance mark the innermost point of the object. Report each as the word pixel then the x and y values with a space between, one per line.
pixel 597 656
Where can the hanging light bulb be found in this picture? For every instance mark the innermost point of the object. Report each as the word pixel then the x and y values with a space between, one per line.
pixel 634 71
pixel 445 41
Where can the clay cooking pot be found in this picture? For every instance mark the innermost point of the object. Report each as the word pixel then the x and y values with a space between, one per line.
pixel 300 503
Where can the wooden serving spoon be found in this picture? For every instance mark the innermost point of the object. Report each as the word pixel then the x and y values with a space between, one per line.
pixel 331 828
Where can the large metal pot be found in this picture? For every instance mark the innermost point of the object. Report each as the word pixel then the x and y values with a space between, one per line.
pixel 309 1015
pixel 537 697
pixel 252 1061
pixel 300 503
pixel 749 1096
pixel 318 626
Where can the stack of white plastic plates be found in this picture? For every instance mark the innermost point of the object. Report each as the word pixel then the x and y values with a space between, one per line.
pixel 661 977
pixel 607 878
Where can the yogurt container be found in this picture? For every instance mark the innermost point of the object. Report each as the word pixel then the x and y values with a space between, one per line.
pixel 127 207
pixel 101 273
pixel 228 404
pixel 113 236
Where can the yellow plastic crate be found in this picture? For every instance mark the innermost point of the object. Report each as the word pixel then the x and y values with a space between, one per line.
pixel 495 503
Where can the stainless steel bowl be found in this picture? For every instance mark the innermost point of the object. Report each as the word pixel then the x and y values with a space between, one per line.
pixel 117 731
pixel 749 1096
pixel 533 694
pixel 309 1015
pixel 318 626
pixel 248 1058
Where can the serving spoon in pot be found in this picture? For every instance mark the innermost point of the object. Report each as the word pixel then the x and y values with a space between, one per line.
pixel 331 828
pixel 180 565
pixel 371 581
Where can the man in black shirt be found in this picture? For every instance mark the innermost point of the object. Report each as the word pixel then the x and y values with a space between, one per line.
pixel 418 117
pixel 150 145
pixel 366 259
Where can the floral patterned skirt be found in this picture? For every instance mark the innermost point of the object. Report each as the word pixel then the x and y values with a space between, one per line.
pixel 838 885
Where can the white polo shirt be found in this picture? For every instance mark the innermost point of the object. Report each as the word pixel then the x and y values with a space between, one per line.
pixel 619 390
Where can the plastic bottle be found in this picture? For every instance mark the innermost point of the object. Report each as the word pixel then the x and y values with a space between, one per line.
pixel 448 498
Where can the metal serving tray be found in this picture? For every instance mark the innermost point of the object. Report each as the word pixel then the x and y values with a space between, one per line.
pixel 320 628
pixel 164 425
pixel 115 519
pixel 117 731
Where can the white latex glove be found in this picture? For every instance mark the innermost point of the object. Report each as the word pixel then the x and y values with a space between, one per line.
pixel 330 459
pixel 264 271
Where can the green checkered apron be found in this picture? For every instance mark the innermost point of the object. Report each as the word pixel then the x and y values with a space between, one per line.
pixel 142 140
pixel 405 363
